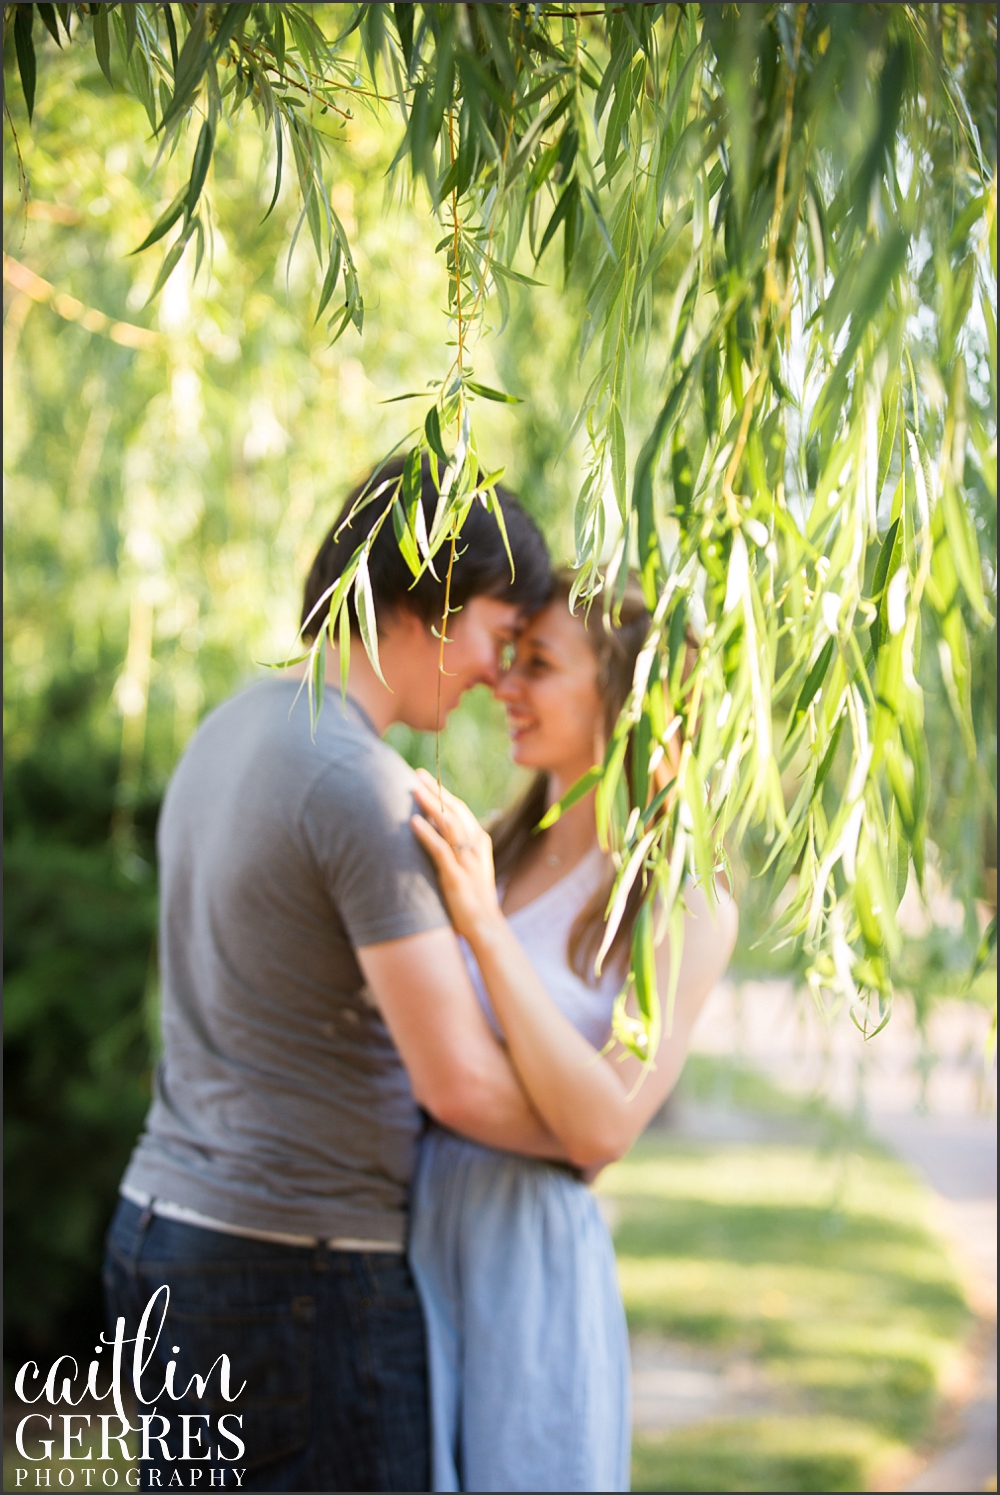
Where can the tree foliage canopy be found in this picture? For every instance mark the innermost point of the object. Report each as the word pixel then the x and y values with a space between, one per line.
pixel 790 210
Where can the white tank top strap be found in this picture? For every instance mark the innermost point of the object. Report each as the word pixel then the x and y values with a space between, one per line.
pixel 543 928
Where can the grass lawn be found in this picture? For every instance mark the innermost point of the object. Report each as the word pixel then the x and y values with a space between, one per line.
pixel 810 1255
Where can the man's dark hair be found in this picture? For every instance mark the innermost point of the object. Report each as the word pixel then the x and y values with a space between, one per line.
pixel 481 565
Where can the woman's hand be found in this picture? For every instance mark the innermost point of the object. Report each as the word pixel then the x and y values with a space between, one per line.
pixel 462 853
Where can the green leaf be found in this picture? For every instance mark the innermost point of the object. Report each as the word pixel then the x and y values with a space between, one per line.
pixel 813 681
pixel 602 227
pixel 329 280
pixel 317 678
pixel 506 273
pixel 199 254
pixel 171 261
pixel 344 648
pixel 278 145
pixel 140 73
pixel 102 39
pixel 432 430
pixel 492 394
pixel 619 458
pixel 404 539
pixel 166 221
pixel 831 752
pixel 496 509
pixel 693 796
pixel 168 17
pixel 25 49
pixel 644 976
pixel 965 549
pixel 279 40
pixel 619 898
pixel 576 792
pixel 234 18
pixel 190 67
pixel 199 167
pixel 47 15
pixel 884 569
pixel 607 796
pixel 899 859
pixel 567 204
pixel 412 485
pixel 969 216
pixel 897 765
pixel 130 29
pixel 403 15
pixel 881 262
pixel 284 664
pixel 626 93
pixel 887 441
pixel 364 606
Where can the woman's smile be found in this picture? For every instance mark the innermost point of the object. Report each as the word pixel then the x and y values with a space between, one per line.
pixel 550 692
pixel 519 723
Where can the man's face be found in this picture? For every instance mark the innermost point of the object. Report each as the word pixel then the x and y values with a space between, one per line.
pixel 476 638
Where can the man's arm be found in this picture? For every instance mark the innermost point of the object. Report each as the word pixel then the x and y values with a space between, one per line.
pixel 459 1072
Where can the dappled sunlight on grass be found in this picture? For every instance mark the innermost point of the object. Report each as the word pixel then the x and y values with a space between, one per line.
pixel 772 1453
pixel 818 1264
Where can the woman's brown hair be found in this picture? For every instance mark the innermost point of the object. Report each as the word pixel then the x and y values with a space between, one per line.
pixel 616 648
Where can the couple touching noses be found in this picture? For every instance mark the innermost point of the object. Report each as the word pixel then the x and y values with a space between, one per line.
pixel 382 1081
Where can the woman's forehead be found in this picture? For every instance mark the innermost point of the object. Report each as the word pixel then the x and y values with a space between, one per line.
pixel 555 628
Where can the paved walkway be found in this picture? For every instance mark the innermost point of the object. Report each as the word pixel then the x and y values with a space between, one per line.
pixel 928 1098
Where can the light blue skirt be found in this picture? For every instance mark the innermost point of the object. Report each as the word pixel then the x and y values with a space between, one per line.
pixel 527 1344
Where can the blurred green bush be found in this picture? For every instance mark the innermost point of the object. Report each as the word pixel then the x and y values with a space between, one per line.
pixel 78 935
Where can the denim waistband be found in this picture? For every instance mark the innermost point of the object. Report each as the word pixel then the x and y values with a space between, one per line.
pixel 168 1210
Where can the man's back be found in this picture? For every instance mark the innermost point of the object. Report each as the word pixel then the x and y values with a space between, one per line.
pixel 281 1104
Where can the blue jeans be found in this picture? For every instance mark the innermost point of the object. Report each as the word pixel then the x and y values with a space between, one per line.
pixel 329 1343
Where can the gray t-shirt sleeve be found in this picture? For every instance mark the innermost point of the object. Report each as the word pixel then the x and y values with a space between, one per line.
pixel 357 822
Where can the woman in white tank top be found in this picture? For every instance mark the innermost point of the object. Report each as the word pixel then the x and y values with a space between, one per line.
pixel 527 1345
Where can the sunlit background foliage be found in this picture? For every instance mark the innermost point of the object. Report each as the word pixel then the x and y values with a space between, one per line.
pixel 763 332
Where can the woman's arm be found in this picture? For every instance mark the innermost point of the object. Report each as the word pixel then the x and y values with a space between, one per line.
pixel 591 1103
pixel 595 1104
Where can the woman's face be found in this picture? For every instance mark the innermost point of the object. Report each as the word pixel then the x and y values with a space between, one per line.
pixel 554 710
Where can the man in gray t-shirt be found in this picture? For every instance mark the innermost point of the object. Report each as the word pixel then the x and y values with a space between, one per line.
pixel 312 994
pixel 282 1104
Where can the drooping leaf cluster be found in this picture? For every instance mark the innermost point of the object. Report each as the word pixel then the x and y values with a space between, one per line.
pixel 792 209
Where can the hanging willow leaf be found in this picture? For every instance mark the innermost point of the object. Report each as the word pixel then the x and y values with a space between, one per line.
pixel 750 242
pixel 577 791
pixel 199 167
pixel 166 221
pixel 491 394
pixel 364 604
pixel 25 50
pixel 619 898
pixel 644 979
pixel 330 279
pixel 102 39
pixel 432 430
pixel 172 259
pixel 47 16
